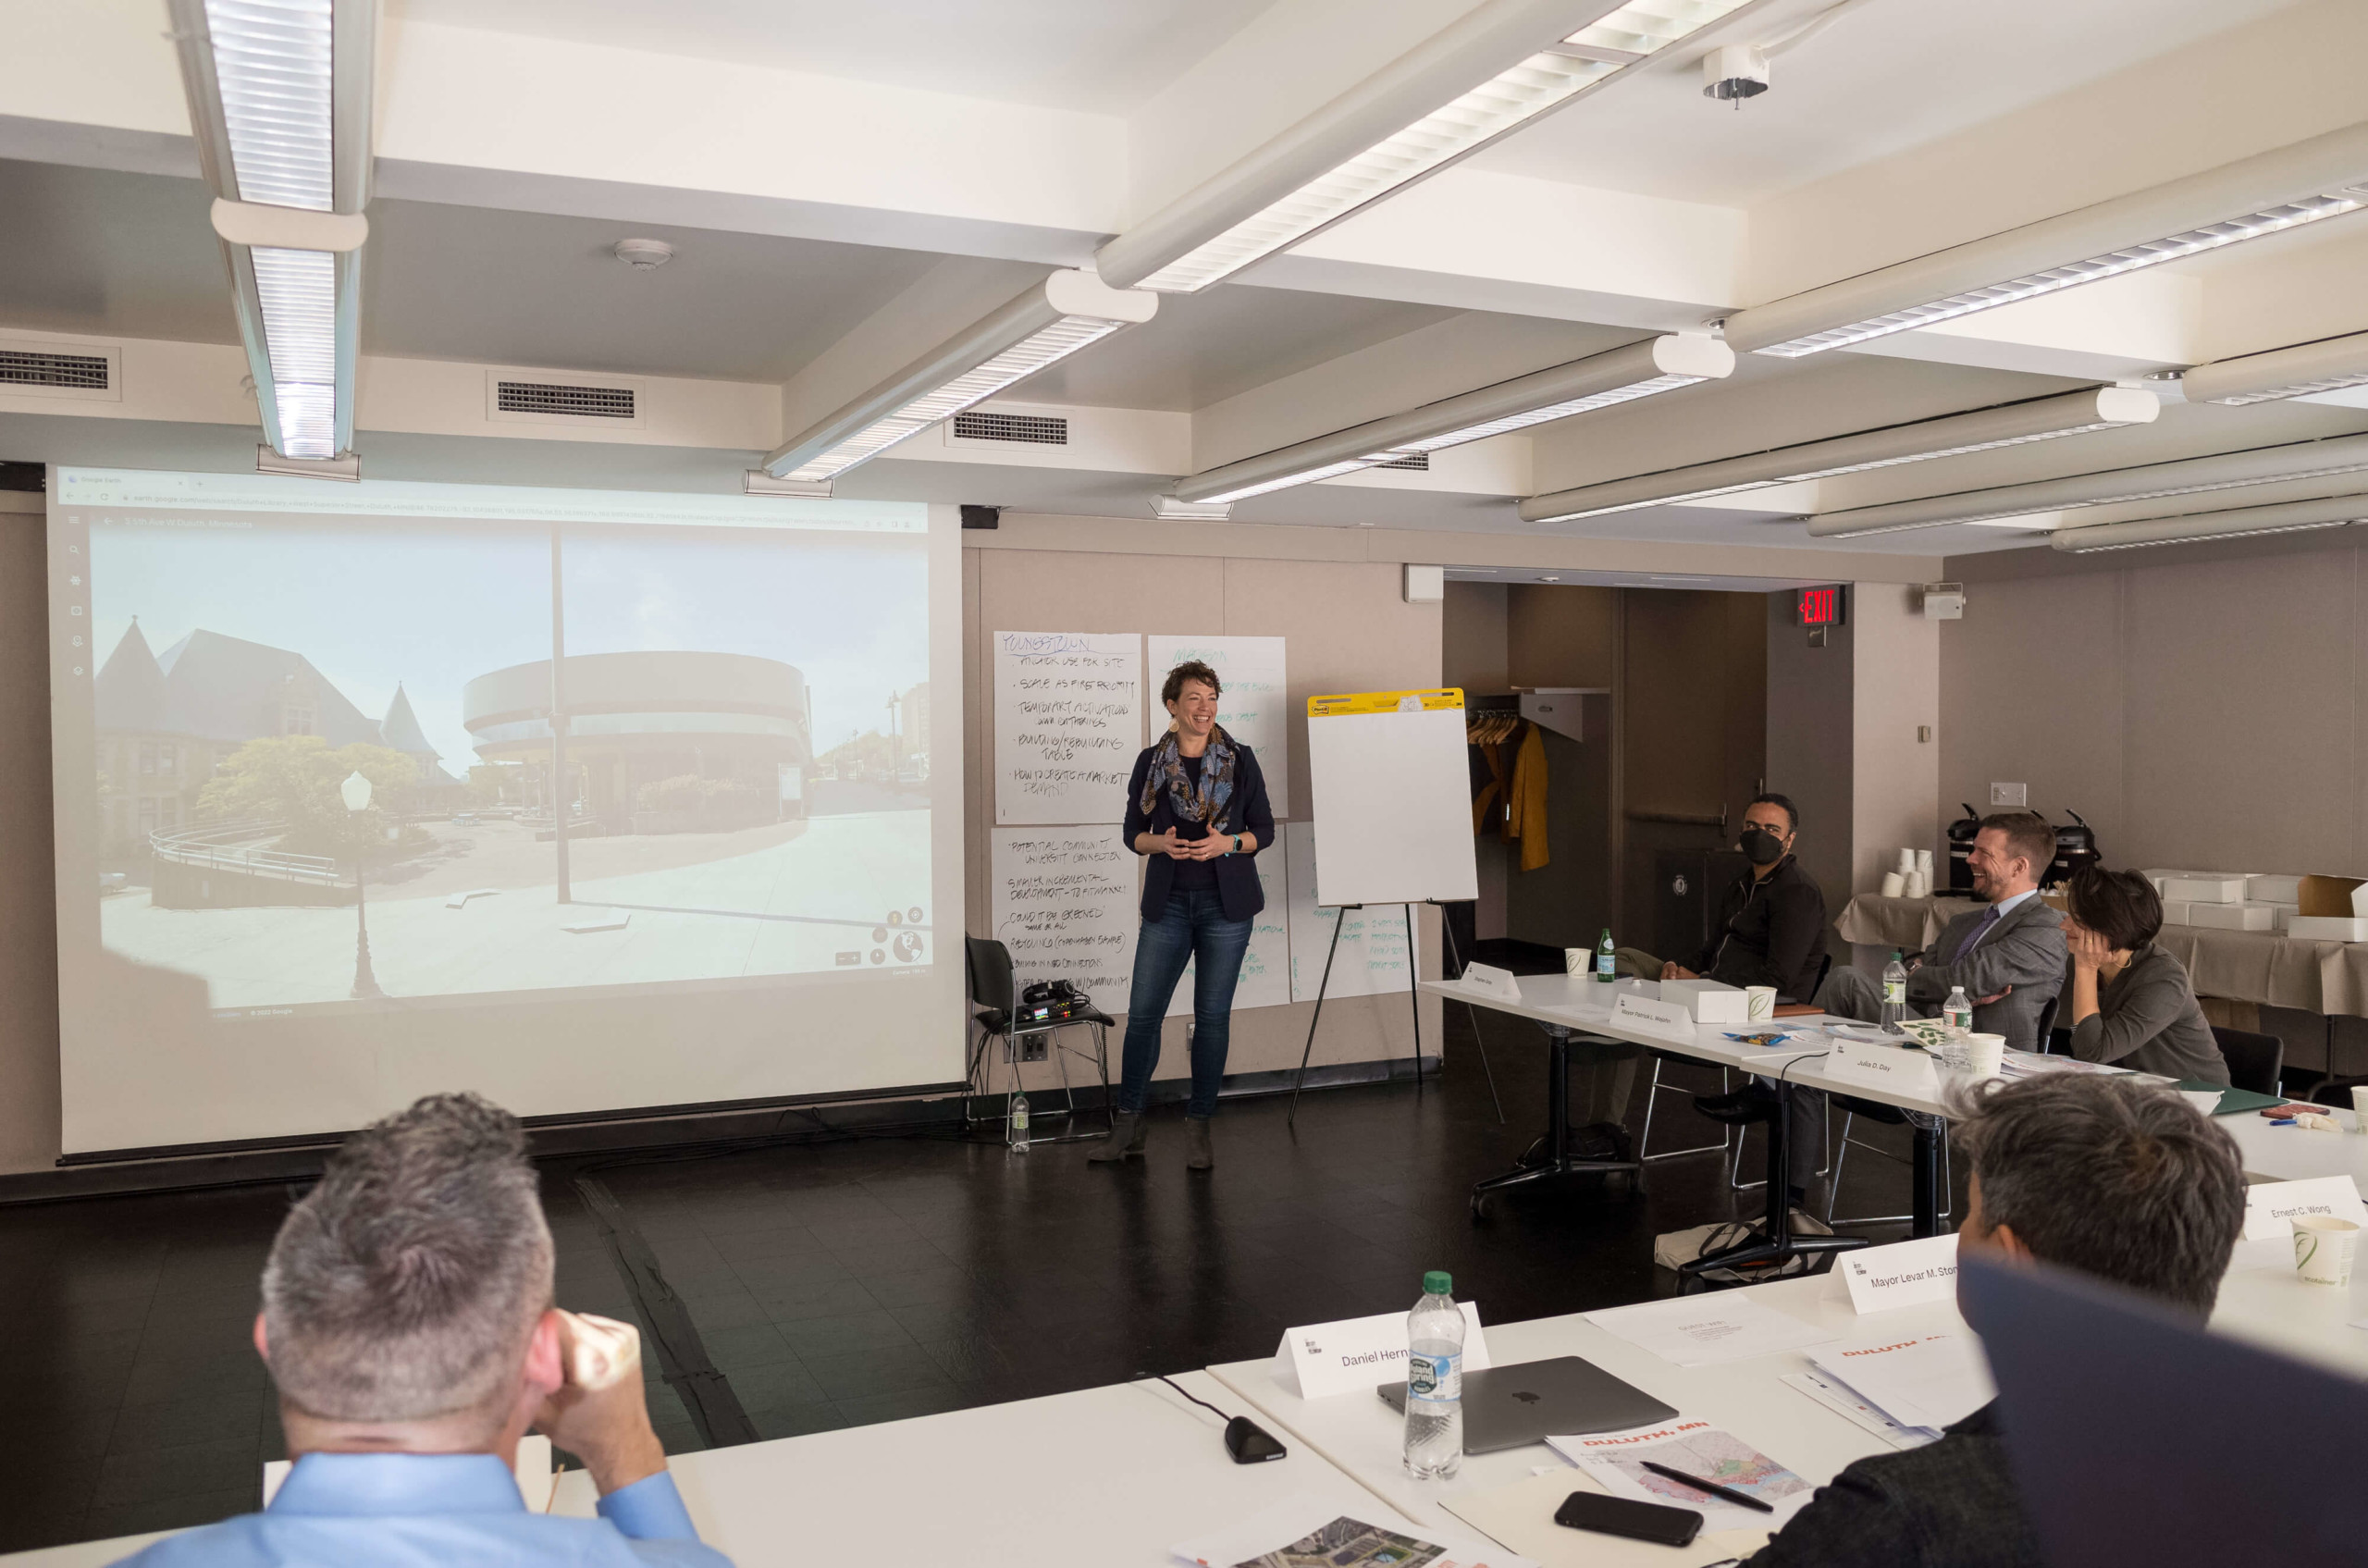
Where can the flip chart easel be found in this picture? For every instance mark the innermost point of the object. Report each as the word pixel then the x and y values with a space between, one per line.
pixel 1391 799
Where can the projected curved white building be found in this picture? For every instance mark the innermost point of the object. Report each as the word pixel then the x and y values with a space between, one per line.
pixel 656 742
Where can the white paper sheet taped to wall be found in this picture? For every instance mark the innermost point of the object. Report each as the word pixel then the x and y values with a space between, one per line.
pixel 1064 902
pixel 1068 722
pixel 1254 707
pixel 1374 956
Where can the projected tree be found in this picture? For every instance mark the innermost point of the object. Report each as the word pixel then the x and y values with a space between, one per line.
pixel 294 779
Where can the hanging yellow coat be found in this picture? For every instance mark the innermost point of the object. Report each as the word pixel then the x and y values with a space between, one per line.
pixel 1525 801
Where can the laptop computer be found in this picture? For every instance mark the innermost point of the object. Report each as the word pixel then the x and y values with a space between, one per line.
pixel 1507 1406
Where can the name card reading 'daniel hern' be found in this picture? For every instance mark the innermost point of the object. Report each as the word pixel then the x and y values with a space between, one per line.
pixel 2272 1208
pixel 1359 1354
pixel 1903 1273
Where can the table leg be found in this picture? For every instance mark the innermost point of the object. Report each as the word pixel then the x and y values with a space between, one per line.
pixel 1773 1244
pixel 1924 1173
pixel 1557 1160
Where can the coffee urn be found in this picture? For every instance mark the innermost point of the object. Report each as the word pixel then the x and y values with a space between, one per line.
pixel 2076 851
pixel 1961 833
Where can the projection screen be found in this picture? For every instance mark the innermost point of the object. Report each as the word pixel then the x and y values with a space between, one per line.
pixel 590 801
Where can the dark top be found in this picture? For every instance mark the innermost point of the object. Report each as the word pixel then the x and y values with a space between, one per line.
pixel 1767 931
pixel 1235 877
pixel 2148 1019
pixel 1186 875
pixel 1949 1504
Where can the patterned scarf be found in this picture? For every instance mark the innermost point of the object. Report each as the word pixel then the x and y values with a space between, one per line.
pixel 1203 803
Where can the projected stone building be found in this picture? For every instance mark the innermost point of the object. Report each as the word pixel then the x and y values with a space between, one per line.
pixel 656 741
pixel 164 723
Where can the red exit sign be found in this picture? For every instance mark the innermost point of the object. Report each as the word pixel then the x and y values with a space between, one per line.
pixel 1820 607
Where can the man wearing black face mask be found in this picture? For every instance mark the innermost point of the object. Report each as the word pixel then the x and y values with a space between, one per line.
pixel 1770 926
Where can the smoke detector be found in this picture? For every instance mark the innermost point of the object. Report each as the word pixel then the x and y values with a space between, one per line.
pixel 1734 73
pixel 643 255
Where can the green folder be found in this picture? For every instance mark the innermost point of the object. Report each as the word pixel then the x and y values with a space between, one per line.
pixel 2233 1100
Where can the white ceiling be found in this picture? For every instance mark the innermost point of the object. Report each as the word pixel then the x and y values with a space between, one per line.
pixel 1891 75
pixel 1106 56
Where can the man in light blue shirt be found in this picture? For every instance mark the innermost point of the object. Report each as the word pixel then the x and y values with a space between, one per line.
pixel 407 1319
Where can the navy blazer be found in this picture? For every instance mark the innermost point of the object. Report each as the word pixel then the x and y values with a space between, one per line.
pixel 1246 811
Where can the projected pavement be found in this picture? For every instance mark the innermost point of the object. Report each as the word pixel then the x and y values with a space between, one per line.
pixel 841 891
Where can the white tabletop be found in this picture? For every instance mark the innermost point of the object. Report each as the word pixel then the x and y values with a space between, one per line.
pixel 1098 1478
pixel 2261 1299
pixel 2291 1154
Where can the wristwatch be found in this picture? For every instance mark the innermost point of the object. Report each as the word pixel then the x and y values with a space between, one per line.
pixel 1236 846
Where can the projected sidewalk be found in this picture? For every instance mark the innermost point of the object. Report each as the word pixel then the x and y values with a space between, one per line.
pixel 776 900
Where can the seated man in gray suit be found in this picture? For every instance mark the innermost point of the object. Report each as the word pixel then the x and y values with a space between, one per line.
pixel 2009 957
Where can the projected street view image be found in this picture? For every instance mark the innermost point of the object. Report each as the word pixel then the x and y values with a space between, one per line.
pixel 334 764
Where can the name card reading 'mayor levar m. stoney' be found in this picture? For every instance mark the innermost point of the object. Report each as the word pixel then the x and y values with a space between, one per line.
pixel 1063 900
pixel 1068 723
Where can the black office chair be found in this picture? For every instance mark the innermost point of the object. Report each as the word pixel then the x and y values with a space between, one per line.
pixel 1736 1131
pixel 2253 1059
pixel 993 1004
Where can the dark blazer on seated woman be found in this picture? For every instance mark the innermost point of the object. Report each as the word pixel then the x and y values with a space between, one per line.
pixel 1245 810
pixel 2148 1019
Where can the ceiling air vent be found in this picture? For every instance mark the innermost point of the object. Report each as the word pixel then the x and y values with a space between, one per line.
pixel 1419 462
pixel 549 399
pixel 1026 430
pixel 76 373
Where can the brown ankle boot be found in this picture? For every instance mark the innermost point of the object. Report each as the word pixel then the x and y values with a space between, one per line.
pixel 1127 1130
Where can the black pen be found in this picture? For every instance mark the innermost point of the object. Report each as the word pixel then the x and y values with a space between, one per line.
pixel 1741 1500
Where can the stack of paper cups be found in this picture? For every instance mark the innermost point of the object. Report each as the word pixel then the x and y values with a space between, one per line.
pixel 1924 865
pixel 1907 861
pixel 1895 884
pixel 1920 885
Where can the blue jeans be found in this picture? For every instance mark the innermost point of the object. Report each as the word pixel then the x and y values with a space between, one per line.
pixel 1192 926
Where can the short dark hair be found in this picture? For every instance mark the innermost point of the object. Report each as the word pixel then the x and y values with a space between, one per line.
pixel 2121 907
pixel 2115 1177
pixel 409 1281
pixel 1792 812
pixel 1190 670
pixel 2028 834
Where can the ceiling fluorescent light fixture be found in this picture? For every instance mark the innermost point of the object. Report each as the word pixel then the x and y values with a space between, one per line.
pixel 2242 522
pixel 2328 365
pixel 2041 419
pixel 2267 193
pixel 1048 323
pixel 279 98
pixel 1408 121
pixel 1623 375
pixel 2152 481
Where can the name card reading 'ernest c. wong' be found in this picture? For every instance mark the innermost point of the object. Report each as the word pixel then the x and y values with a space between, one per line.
pixel 1903 1273
pixel 1068 723
pixel 1359 1354
pixel 2272 1208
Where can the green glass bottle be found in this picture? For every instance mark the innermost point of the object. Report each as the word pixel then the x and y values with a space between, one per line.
pixel 1606 959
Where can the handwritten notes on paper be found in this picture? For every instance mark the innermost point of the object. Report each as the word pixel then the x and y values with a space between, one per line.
pixel 1253 706
pixel 1064 902
pixel 1068 723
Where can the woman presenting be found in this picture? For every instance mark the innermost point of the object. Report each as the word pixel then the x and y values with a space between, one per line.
pixel 1197 806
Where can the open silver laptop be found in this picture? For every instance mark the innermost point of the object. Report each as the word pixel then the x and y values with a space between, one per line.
pixel 1507 1406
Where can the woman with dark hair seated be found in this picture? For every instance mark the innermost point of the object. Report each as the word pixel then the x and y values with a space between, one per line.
pixel 2128 1002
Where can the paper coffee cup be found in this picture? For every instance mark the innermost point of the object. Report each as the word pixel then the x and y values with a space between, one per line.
pixel 1985 1055
pixel 1578 961
pixel 1895 884
pixel 1759 1002
pixel 2324 1246
pixel 1907 861
pixel 2359 1108
pixel 1918 885
pixel 1924 863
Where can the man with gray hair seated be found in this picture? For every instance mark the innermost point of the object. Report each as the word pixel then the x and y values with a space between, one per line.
pixel 408 1322
pixel 2114 1177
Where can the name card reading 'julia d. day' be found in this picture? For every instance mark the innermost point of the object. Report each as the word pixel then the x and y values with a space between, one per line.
pixel 1359 1354
pixel 2272 1208
pixel 1903 1273
pixel 1669 1019
pixel 1899 1068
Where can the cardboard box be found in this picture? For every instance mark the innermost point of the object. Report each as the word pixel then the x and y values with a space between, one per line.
pixel 2232 916
pixel 2202 887
pixel 2327 928
pixel 1709 1000
pixel 2330 897
pixel 2273 889
pixel 2176 912
pixel 2280 915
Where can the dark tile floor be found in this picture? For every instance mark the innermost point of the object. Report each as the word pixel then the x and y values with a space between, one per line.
pixel 859 1280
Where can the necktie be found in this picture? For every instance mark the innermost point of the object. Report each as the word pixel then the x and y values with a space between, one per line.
pixel 1981 929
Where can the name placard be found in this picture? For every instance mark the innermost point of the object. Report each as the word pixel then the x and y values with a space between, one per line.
pixel 1899 1068
pixel 1903 1273
pixel 1647 1015
pixel 2271 1207
pixel 1359 1354
pixel 1492 982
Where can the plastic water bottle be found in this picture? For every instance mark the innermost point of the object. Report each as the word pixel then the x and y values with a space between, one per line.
pixel 1895 994
pixel 1435 1382
pixel 1957 1012
pixel 1018 1122
pixel 1606 959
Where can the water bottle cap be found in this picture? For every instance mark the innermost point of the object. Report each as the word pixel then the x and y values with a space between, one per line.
pixel 1437 1283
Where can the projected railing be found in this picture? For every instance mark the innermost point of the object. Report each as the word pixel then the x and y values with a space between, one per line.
pixel 225 846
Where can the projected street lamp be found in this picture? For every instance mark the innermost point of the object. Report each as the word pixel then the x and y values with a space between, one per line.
pixel 895 750
pixel 356 790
